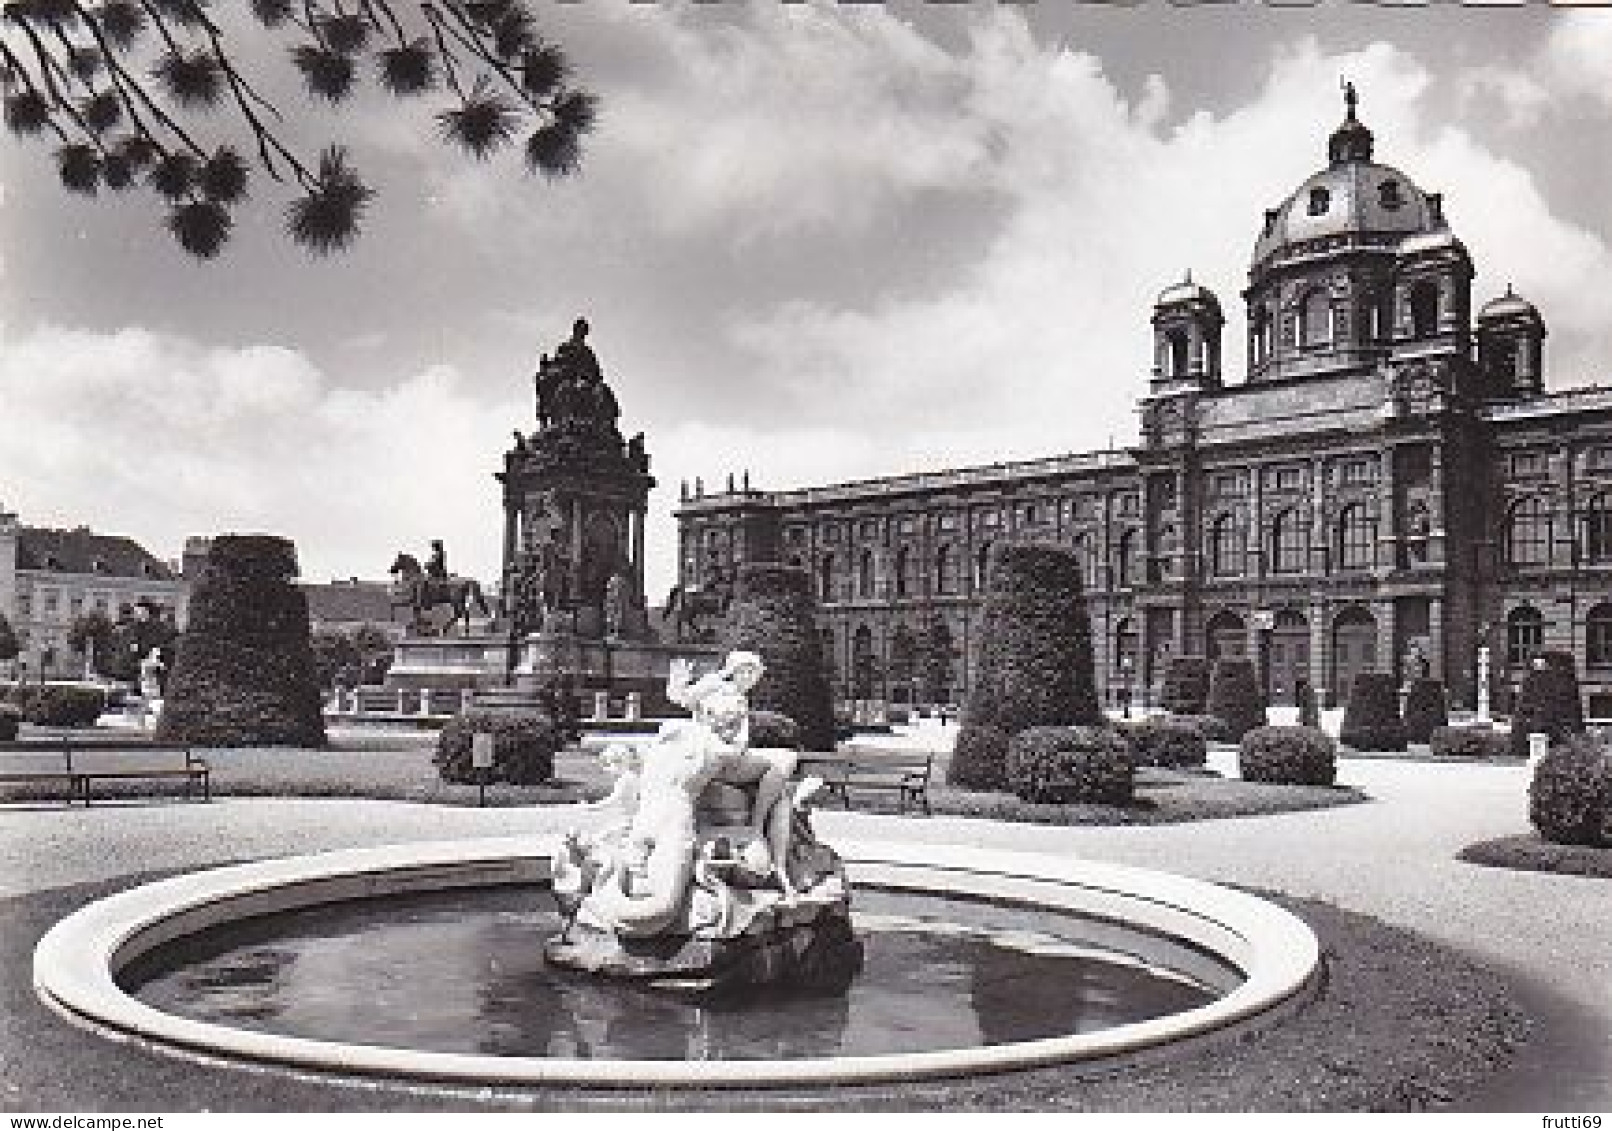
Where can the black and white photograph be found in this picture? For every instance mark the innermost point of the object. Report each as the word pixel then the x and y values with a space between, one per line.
pixel 805 556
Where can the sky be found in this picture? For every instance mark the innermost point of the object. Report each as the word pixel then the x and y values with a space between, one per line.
pixel 817 242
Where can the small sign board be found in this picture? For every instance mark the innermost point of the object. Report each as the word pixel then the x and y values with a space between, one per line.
pixel 481 752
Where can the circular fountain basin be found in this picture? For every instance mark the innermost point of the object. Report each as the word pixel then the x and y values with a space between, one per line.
pixel 1163 957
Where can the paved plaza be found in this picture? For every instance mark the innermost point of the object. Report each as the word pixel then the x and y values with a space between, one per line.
pixel 1393 858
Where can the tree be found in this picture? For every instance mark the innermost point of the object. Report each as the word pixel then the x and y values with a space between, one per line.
pixel 93 635
pixel 1034 665
pixel 773 615
pixel 1371 718
pixel 938 659
pixel 245 673
pixel 1549 702
pixel 124 88
pixel 335 656
pixel 903 657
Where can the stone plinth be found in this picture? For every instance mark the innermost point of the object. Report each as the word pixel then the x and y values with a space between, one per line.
pixel 809 947
pixel 622 668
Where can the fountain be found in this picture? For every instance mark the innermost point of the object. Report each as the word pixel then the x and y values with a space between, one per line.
pixel 702 935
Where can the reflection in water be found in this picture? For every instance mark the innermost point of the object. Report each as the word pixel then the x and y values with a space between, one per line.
pixel 464 972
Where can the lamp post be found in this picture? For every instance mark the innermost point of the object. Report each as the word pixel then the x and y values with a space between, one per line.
pixel 1126 665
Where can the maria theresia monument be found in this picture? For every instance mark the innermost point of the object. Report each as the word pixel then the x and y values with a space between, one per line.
pixel 575 496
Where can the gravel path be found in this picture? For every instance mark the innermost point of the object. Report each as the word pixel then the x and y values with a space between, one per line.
pixel 1393 858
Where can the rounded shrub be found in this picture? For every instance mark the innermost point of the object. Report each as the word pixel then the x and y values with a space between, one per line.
pixel 770 730
pixel 1211 728
pixel 1288 756
pixel 1570 798
pixel 774 615
pixel 1469 742
pixel 524 744
pixel 1548 703
pixel 1235 698
pixel 60 704
pixel 244 672
pixel 1073 763
pixel 1186 685
pixel 1426 709
pixel 1371 719
pixel 1033 660
pixel 1167 742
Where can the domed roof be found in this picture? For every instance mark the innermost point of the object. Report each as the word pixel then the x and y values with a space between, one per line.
pixel 1187 291
pixel 1353 196
pixel 1508 305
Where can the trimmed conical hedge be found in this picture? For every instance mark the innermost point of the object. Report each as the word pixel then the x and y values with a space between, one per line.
pixel 1549 702
pixel 773 614
pixel 1186 685
pixel 1371 719
pixel 1033 663
pixel 244 672
pixel 1426 709
pixel 1235 697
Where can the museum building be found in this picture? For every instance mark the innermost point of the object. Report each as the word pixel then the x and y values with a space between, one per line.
pixel 1391 488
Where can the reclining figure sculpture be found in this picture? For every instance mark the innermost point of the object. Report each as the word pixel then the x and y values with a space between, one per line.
pixel 709 874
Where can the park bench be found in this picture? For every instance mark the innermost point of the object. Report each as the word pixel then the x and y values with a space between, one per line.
pixel 79 763
pixel 905 776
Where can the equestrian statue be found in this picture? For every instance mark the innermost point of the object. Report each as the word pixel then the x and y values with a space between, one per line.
pixel 426 590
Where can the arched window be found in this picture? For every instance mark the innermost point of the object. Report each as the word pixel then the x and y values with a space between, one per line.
pixel 864 664
pixel 1226 547
pixel 946 579
pixel 1598 637
pixel 1357 538
pixel 1176 353
pixel 1127 561
pixel 1320 201
pixel 1424 309
pixel 825 578
pixel 1598 529
pixel 1315 319
pixel 1528 533
pixel 1264 336
pixel 865 575
pixel 1290 543
pixel 982 566
pixel 1525 636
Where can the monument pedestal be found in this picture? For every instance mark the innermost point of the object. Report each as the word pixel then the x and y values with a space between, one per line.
pixel 624 669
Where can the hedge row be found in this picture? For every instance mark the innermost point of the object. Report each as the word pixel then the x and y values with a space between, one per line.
pixel 1288 756
pixel 1371 719
pixel 57 704
pixel 1071 763
pixel 524 744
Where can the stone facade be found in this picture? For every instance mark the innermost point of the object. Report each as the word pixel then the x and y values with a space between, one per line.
pixel 1391 487
pixel 48 578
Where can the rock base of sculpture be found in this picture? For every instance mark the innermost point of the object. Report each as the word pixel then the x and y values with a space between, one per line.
pixel 810 948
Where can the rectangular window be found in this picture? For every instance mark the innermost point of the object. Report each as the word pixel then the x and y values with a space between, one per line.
pixel 947 522
pixel 831 534
pixel 1600 459
pixel 1528 463
pixel 1359 471
pixel 1130 503
pixel 1287 479
pixel 870 529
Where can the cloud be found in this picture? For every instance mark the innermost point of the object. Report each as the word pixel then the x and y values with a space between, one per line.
pixel 1044 343
pixel 1578 56
pixel 155 436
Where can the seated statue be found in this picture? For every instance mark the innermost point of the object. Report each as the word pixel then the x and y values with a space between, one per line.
pixel 708 841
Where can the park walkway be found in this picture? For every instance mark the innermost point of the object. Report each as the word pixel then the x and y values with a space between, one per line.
pixel 1393 858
